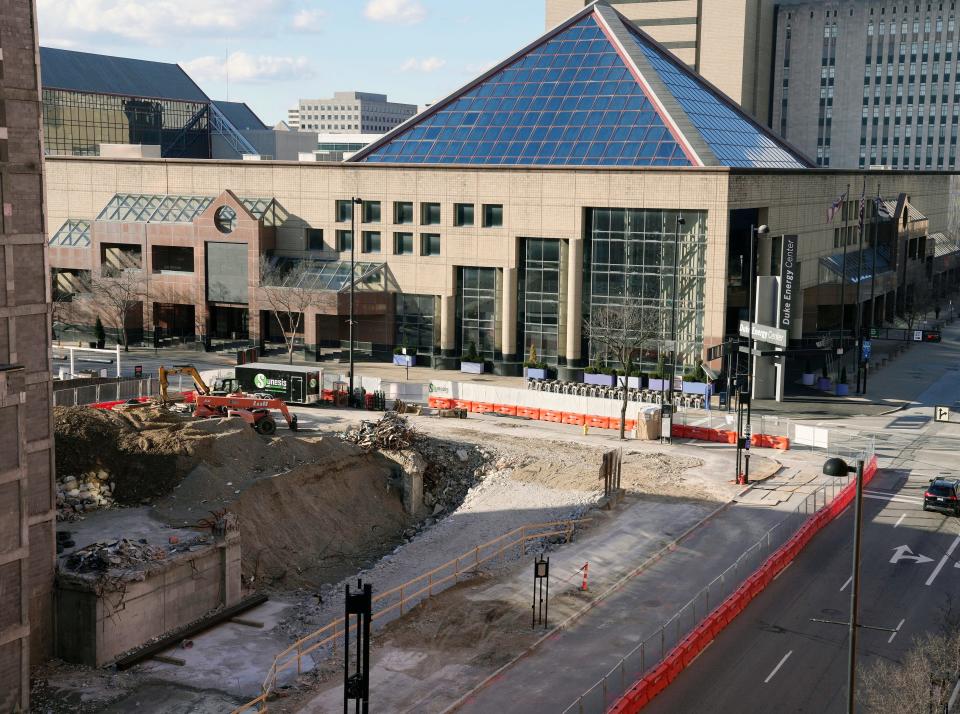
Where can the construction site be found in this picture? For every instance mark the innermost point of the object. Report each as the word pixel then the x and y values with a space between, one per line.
pixel 203 558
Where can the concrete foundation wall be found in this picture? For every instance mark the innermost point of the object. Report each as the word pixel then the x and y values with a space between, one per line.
pixel 95 629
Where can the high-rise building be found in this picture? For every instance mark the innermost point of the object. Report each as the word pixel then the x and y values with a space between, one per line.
pixel 868 83
pixel 729 42
pixel 26 444
pixel 351 113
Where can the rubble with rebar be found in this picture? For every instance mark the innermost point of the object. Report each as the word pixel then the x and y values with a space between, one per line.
pixel 392 432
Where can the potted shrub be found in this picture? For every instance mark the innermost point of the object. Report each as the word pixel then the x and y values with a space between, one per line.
pixel 599 376
pixel 808 376
pixel 404 356
pixel 471 362
pixel 843 389
pixel 533 368
pixel 101 333
pixel 824 384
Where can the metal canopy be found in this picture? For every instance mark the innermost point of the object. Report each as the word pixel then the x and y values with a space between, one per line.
pixel 859 264
pixel 72 234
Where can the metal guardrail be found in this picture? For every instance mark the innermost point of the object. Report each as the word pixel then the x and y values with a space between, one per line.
pixel 392 603
pixel 655 646
pixel 105 392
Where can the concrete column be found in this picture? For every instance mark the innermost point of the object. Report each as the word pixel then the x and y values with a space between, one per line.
pixel 232 586
pixel 448 325
pixel 508 342
pixel 574 298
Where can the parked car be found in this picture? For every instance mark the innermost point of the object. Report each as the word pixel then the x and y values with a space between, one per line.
pixel 943 495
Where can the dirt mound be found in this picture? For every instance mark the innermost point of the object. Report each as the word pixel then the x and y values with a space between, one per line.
pixel 320 522
pixel 142 452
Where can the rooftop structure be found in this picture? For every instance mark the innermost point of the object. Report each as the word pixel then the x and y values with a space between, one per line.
pixel 350 112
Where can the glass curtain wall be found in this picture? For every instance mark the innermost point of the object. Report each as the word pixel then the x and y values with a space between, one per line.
pixel 628 261
pixel 542 315
pixel 416 322
pixel 478 310
pixel 75 123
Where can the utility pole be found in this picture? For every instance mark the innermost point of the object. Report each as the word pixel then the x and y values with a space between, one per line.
pixel 843 273
pixel 354 202
pixel 858 336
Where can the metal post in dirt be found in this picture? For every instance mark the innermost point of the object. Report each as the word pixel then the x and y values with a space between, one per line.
pixel 356 687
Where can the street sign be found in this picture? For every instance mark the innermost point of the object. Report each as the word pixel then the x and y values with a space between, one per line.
pixel 901 335
pixel 904 553
pixel 867 350
pixel 941 414
pixel 762 353
pixel 765 333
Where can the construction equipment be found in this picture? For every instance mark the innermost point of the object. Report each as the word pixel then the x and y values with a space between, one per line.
pixel 225 385
pixel 253 410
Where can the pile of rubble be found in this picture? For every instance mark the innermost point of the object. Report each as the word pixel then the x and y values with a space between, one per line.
pixel 80 494
pixel 119 554
pixel 391 433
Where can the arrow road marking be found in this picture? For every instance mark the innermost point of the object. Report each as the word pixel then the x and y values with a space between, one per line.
pixel 904 553
pixel 943 560
pixel 777 668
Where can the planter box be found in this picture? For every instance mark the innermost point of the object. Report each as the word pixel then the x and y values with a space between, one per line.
pixel 657 385
pixel 695 388
pixel 635 382
pixel 404 360
pixel 471 367
pixel 809 379
pixel 843 390
pixel 534 373
pixel 600 380
pixel 824 384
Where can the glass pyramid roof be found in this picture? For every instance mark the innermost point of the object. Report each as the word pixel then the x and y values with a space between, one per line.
pixel 594 91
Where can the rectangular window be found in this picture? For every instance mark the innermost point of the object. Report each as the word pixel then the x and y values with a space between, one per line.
pixel 344 240
pixel 315 238
pixel 171 259
pixel 403 243
pixel 429 244
pixel 415 323
pixel 402 212
pixel 371 241
pixel 492 215
pixel 430 214
pixel 463 214
pixel 371 211
pixel 344 211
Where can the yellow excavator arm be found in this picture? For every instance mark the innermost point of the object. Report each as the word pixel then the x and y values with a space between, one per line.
pixel 187 369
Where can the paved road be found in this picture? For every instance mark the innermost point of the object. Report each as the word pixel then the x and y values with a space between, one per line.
pixel 774 659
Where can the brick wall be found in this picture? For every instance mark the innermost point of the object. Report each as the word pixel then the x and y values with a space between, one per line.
pixel 26 447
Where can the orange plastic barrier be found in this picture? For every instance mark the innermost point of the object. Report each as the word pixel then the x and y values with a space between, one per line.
pixel 463 404
pixel 631 424
pixel 505 409
pixel 597 422
pixel 573 419
pixel 481 407
pixel 551 416
pixel 434 402
pixel 528 412
pixel 111 405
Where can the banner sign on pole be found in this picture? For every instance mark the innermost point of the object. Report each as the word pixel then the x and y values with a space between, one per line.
pixel 789 272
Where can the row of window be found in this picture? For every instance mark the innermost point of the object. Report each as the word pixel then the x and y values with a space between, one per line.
pixel 403 242
pixel 430 213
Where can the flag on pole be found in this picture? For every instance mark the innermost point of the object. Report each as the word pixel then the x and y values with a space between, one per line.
pixel 835 207
pixel 863 206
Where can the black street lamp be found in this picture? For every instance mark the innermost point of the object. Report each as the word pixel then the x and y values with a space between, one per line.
pixel 354 202
pixel 839 467
pixel 755 231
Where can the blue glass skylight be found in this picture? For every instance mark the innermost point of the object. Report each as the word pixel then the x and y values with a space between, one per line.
pixel 733 138
pixel 569 101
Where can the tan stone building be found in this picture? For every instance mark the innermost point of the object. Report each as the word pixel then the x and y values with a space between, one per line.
pixel 729 42
pixel 26 444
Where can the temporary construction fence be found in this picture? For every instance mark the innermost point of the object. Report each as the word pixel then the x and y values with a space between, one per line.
pixel 396 601
pixel 660 657
pixel 106 392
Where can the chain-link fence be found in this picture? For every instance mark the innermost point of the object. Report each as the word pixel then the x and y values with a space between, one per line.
pixel 105 392
pixel 656 646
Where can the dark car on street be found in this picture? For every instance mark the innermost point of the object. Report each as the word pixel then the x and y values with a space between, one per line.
pixel 943 495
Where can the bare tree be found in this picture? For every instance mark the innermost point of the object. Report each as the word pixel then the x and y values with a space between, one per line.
pixel 620 334
pixel 119 292
pixel 918 304
pixel 288 291
pixel 921 683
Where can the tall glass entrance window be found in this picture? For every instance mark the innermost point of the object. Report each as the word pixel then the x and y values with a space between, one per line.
pixel 541 315
pixel 478 313
pixel 629 261
pixel 415 322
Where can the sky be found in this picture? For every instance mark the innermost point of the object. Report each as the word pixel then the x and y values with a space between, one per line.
pixel 269 53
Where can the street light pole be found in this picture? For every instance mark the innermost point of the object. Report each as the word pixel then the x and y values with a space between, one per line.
pixel 354 202
pixel 755 232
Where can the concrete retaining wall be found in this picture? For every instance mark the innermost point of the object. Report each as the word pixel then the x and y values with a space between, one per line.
pixel 98 621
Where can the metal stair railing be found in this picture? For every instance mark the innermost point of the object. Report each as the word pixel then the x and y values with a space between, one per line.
pixel 219 124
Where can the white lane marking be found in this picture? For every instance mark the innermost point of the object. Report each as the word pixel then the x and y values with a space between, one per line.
pixel 893 499
pixel 895 633
pixel 943 560
pixel 849 580
pixel 777 668
pixel 900 520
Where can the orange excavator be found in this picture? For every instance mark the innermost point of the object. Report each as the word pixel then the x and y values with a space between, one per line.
pixel 253 410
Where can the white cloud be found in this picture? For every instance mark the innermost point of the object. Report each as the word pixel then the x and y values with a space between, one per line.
pixel 246 68
pixel 404 12
pixel 309 21
pixel 481 68
pixel 155 21
pixel 427 64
